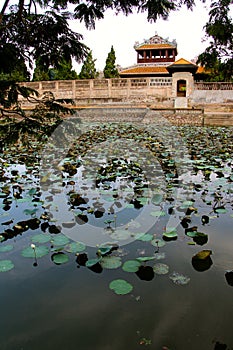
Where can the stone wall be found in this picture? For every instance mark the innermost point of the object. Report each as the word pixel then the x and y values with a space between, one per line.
pixel 159 92
pixel 145 90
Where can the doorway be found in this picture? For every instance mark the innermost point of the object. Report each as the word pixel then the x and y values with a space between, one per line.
pixel 181 88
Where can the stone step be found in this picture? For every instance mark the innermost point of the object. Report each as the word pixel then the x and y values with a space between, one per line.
pixel 218 119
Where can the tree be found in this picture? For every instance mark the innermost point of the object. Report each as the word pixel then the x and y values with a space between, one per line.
pixel 63 71
pixel 110 70
pixel 41 72
pixel 218 56
pixel 88 70
pixel 12 66
pixel 39 29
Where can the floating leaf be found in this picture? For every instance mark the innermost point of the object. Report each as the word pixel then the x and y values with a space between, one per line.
pixel 92 262
pixel 37 252
pixel 111 262
pixel 6 248
pixel 69 224
pixel 179 279
pixel 160 256
pixel 202 255
pixel 161 269
pixel 131 265
pixel 6 265
pixel 146 237
pixel 41 238
pixel 158 213
pixel 104 250
pixel 220 210
pixel 120 286
pixel 30 211
pixel 145 258
pixel 60 239
pixel 157 242
pixel 59 258
pixel 170 233
pixel 75 247
pixel 157 198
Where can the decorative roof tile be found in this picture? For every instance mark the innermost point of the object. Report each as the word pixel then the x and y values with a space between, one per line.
pixel 155 46
pixel 145 70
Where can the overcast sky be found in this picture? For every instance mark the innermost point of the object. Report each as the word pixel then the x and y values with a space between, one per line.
pixel 122 32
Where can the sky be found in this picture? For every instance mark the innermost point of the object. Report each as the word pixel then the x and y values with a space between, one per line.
pixel 122 32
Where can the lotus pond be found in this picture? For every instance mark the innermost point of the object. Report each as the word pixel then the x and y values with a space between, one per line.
pixel 117 236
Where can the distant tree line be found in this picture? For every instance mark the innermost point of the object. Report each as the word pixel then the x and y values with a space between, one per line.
pixel 36 35
pixel 62 71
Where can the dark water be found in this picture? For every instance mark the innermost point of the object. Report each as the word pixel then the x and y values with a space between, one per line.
pixel 71 307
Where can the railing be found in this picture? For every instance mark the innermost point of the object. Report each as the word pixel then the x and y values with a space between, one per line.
pixel 214 86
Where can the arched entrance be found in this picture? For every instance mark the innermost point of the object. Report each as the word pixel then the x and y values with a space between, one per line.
pixel 181 88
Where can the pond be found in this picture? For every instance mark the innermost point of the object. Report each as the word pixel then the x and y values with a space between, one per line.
pixel 117 236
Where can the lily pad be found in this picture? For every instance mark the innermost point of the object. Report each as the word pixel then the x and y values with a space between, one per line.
pixel 202 255
pixel 157 198
pixel 131 265
pixel 161 269
pixel 60 239
pixel 6 248
pixel 157 242
pixel 59 258
pixel 179 279
pixel 145 258
pixel 111 262
pixel 146 237
pixel 120 286
pixel 92 262
pixel 41 238
pixel 38 252
pixel 75 247
pixel 6 265
pixel 158 213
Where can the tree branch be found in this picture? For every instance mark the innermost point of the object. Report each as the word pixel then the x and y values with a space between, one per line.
pixel 3 10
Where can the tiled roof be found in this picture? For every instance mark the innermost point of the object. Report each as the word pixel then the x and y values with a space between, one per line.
pixel 145 70
pixel 202 70
pixel 155 46
pixel 183 61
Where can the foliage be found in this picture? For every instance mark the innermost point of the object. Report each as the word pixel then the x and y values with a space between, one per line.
pixel 63 71
pixel 218 55
pixel 88 70
pixel 110 70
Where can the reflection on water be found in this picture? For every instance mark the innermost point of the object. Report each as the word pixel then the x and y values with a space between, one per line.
pixel 51 303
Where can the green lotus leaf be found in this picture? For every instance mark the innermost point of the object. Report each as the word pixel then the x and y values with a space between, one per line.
pixel 59 258
pixel 172 234
pixel 60 239
pixel 202 255
pixel 120 286
pixel 92 262
pixel 160 256
pixel 146 237
pixel 75 247
pixel 6 265
pixel 111 262
pixel 41 238
pixel 6 248
pixel 157 242
pixel 157 198
pixel 30 211
pixel 145 258
pixel 158 213
pixel 38 252
pixel 179 279
pixel 161 269
pixel 221 210
pixel 131 265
